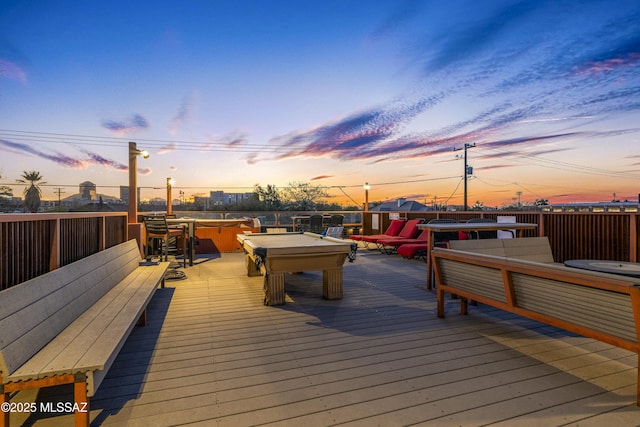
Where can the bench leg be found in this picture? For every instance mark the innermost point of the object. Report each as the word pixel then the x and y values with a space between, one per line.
pixel 4 417
pixel 463 306
pixel 81 401
pixel 440 295
pixel 142 321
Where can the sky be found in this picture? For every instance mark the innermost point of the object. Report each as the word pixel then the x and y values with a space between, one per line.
pixel 337 93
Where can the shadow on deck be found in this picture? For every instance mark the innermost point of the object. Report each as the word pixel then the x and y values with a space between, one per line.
pixel 212 354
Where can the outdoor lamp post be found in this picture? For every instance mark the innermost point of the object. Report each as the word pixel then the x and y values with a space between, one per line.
pixel 133 180
pixel 170 183
pixel 366 187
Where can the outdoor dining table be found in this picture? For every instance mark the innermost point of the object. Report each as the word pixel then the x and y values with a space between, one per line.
pixel 631 269
pixel 463 226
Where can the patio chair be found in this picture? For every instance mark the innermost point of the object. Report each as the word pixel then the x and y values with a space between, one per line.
pixel 158 232
pixel 391 245
pixel 276 230
pixel 392 231
pixel 409 231
pixel 413 250
pixel 487 234
pixel 315 224
pixel 336 220
pixel 442 238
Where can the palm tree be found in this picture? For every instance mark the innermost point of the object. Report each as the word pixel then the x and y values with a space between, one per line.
pixel 32 193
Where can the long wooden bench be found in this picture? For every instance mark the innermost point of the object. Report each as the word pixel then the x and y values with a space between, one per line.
pixel 528 248
pixel 67 326
pixel 602 306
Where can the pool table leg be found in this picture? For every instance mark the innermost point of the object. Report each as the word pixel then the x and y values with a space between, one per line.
pixel 252 269
pixel 274 289
pixel 332 283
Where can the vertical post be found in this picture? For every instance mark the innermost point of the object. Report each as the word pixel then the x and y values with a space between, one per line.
pixel 169 207
pixel 133 183
pixel 366 196
pixel 466 175
pixel 466 170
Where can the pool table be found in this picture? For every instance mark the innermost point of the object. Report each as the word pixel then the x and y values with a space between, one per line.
pixel 274 254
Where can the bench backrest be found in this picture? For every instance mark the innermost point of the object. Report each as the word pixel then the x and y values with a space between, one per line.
pixel 593 304
pixel 34 312
pixel 527 248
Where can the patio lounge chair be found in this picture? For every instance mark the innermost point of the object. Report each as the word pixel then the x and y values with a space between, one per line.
pixel 419 249
pixel 408 231
pixel 412 250
pixel 392 231
pixel 391 245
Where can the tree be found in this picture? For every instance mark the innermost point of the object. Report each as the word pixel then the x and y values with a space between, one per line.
pixel 32 193
pixel 5 191
pixel 478 206
pixel 269 196
pixel 303 196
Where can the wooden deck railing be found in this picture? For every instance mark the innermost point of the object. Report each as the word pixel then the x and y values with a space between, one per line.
pixel 33 244
pixel 572 235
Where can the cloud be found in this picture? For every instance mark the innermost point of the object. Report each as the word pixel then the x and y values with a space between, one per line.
pixel 404 12
pixel 235 139
pixel 134 124
pixel 97 159
pixel 58 158
pixel 167 148
pixel 351 137
pixel 495 167
pixel 518 75
pixel 184 114
pixel 320 177
pixel 12 71
pixel 90 158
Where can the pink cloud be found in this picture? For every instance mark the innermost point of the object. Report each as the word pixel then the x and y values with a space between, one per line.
pixel 12 71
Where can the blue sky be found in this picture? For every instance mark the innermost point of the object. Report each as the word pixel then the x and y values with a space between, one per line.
pixel 227 94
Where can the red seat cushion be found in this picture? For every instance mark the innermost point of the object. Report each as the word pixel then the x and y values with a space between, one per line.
pixel 411 249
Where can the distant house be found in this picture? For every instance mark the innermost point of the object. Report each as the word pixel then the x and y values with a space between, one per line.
pixel 400 205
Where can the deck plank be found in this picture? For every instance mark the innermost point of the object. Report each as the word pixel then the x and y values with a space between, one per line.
pixel 212 354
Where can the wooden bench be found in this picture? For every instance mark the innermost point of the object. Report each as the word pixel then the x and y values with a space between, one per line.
pixel 528 248
pixel 67 326
pixel 601 306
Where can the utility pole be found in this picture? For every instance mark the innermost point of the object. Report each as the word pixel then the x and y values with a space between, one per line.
pixel 59 191
pixel 467 170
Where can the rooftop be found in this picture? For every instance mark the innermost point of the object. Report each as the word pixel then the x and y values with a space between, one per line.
pixel 212 354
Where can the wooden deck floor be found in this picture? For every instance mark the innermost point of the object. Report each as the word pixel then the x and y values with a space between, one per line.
pixel 213 355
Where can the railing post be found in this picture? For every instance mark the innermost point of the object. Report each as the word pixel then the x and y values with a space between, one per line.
pixel 633 237
pixel 54 257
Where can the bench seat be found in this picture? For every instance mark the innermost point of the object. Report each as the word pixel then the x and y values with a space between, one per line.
pixel 67 326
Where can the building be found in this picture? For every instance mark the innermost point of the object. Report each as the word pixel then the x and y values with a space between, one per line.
pixel 220 198
pixel 87 190
pixel 124 193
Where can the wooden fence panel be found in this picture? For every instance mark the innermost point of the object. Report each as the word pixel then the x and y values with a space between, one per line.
pixel 33 244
